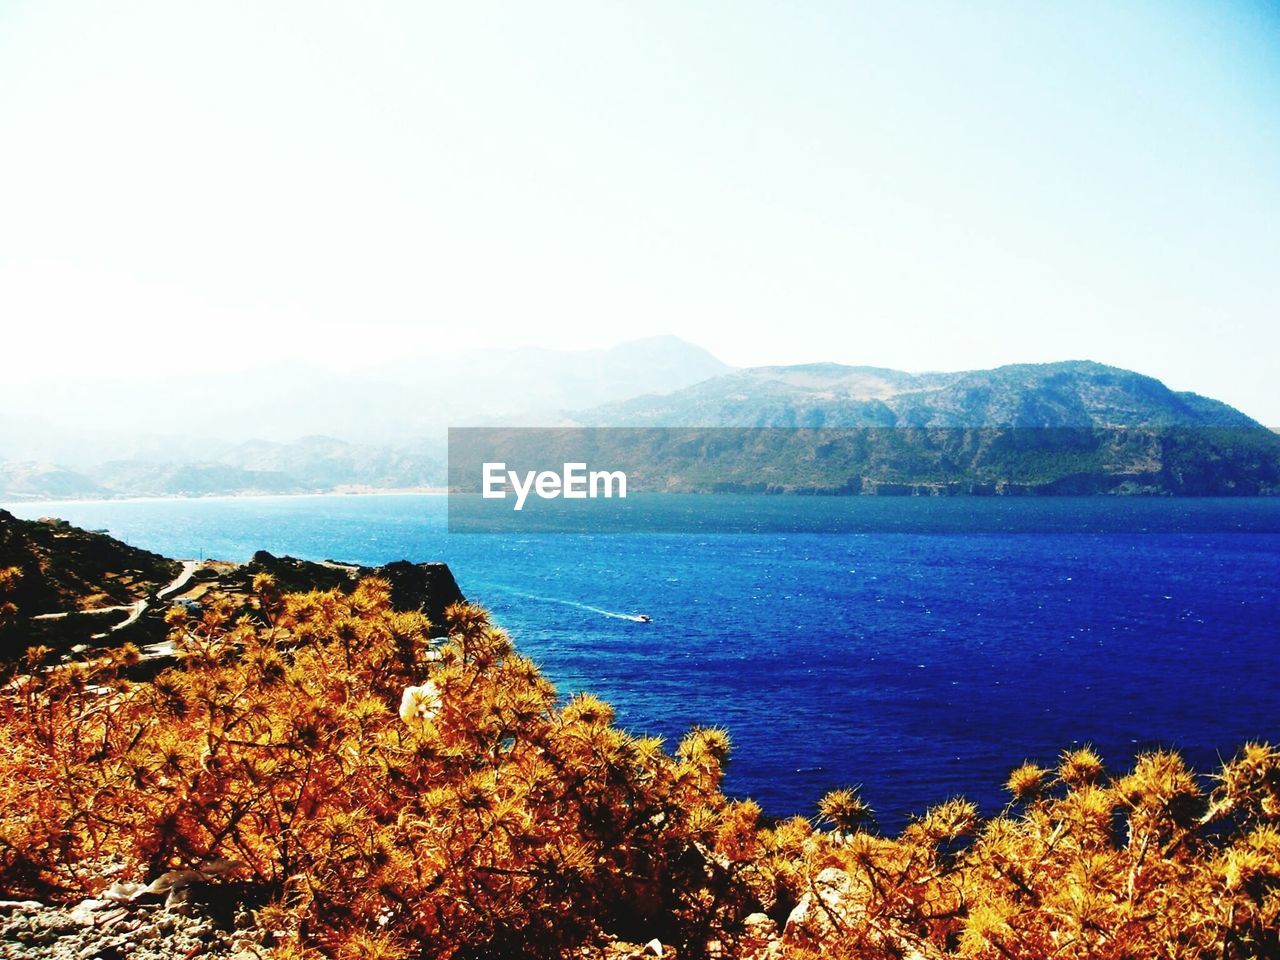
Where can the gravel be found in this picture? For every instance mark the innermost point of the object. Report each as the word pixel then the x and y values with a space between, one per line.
pixel 111 930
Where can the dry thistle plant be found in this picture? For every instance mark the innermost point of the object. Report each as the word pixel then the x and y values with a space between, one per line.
pixel 388 796
pixel 370 786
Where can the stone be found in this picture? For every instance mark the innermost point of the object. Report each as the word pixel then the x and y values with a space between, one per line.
pixel 19 906
pixel 85 913
pixel 825 909
pixel 760 926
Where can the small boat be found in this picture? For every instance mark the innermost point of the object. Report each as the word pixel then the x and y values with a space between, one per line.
pixel 644 618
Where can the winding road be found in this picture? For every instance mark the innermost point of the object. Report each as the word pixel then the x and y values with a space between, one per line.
pixel 138 607
pixel 189 567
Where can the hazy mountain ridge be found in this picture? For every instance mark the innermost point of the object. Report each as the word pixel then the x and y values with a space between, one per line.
pixel 356 433
pixel 309 465
pixel 167 415
pixel 922 431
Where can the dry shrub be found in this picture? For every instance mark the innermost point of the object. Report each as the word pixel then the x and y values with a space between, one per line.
pixel 1149 864
pixel 385 791
pixel 389 796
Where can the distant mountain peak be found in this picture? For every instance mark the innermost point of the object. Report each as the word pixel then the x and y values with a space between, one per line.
pixel 1069 393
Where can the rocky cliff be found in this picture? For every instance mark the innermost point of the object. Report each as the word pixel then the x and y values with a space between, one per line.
pixel 426 587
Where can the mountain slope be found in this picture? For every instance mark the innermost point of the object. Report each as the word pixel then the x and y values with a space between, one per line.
pixel 1066 394
pixel 1074 427
pixel 66 568
pixel 23 480
pixel 1069 427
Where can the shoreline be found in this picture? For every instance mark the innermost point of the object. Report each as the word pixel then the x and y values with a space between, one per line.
pixel 801 494
pixel 168 498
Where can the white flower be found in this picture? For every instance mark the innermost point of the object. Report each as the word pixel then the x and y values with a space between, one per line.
pixel 420 705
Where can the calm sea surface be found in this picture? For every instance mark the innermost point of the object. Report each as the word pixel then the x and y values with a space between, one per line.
pixel 920 665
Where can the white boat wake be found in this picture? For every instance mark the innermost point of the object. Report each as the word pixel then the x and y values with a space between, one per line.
pixel 614 614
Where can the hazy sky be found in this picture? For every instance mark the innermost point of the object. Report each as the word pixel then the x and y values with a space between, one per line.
pixel 924 186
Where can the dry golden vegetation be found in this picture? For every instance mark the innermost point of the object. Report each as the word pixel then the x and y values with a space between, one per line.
pixel 382 795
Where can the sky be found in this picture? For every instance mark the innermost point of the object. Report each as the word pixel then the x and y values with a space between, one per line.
pixel 207 187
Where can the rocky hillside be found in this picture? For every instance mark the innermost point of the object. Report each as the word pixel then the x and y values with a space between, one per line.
pixel 65 568
pixel 426 587
pixel 75 590
pixel 439 800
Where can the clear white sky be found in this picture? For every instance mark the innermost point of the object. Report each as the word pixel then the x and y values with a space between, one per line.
pixel 915 185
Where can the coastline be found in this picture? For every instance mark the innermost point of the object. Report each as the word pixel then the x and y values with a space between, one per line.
pixel 179 498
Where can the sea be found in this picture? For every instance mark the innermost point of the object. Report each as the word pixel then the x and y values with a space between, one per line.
pixel 921 652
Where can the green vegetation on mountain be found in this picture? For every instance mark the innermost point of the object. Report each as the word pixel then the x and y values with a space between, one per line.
pixel 1076 427
pixel 1049 395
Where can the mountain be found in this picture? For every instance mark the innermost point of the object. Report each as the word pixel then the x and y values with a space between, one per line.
pixel 1069 427
pixel 310 465
pixel 1067 394
pixel 27 480
pixel 1074 427
pixel 313 464
pixel 177 417
pixel 179 435
pixel 533 386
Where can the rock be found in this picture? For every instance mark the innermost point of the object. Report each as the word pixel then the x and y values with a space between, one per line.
pixel 105 929
pixel 429 587
pixel 834 903
pixel 760 926
pixel 825 909
pixel 9 906
pixel 174 880
pixel 121 892
pixel 84 913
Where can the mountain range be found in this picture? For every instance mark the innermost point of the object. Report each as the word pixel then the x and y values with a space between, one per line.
pixel 182 417
pixel 287 430
pixel 1140 436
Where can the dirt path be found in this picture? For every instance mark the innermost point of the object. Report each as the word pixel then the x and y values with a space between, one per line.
pixel 139 607
pixel 189 567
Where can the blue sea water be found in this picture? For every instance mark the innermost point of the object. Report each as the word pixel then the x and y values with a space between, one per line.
pixel 918 664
